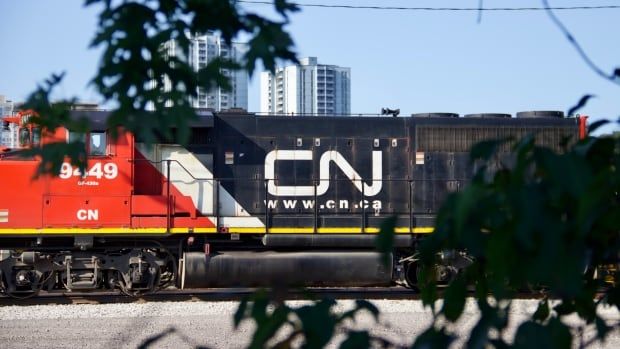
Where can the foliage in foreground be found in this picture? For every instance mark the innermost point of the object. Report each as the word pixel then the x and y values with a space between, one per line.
pixel 538 222
pixel 149 89
pixel 544 223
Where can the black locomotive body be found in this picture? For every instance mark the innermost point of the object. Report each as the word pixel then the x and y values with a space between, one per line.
pixel 346 174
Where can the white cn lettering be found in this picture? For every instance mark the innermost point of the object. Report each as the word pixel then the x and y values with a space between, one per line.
pixel 324 166
pixel 88 215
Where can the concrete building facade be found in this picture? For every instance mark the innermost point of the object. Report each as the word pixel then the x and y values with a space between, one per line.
pixel 306 88
pixel 203 49
pixel 6 106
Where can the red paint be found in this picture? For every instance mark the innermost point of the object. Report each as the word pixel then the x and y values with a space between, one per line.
pixel 121 190
pixel 583 127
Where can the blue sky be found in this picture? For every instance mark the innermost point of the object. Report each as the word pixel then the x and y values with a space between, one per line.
pixel 415 61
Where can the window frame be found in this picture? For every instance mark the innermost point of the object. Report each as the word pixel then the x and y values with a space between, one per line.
pixel 86 138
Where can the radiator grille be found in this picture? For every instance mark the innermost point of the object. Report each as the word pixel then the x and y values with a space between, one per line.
pixel 461 139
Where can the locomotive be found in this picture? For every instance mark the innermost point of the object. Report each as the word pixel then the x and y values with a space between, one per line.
pixel 249 200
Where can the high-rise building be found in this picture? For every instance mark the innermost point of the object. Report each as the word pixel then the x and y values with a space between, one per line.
pixel 8 131
pixel 6 106
pixel 203 49
pixel 306 88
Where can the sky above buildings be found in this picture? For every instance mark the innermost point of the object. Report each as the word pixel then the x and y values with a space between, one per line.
pixel 418 61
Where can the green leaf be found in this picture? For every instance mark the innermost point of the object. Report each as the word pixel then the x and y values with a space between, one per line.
pixel 240 313
pixel 433 338
pixel 356 340
pixel 596 125
pixel 542 312
pixel 479 335
pixel 560 334
pixel 612 294
pixel 454 299
pixel 582 103
pixel 268 326
pixel 602 329
pixel 54 154
pixel 318 323
pixel 282 6
pixel 534 335
pixel 428 285
pixel 361 304
pixel 564 308
pixel 486 149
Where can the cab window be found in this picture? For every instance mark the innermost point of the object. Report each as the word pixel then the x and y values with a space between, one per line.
pixel 96 142
pixel 76 136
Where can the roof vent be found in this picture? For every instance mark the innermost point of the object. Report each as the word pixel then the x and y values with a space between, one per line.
pixel 541 114
pixel 435 115
pixel 488 115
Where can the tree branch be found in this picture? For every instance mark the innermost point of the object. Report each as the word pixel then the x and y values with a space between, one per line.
pixel 611 77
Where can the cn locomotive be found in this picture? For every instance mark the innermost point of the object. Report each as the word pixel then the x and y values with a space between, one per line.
pixel 250 200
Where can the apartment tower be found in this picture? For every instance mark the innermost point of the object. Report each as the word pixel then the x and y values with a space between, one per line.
pixel 203 49
pixel 307 88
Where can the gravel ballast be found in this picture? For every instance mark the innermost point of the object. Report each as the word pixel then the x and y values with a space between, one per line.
pixel 194 324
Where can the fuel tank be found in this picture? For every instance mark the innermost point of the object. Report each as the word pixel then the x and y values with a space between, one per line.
pixel 269 269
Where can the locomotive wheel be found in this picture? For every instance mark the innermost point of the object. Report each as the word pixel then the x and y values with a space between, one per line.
pixel 412 270
pixel 13 290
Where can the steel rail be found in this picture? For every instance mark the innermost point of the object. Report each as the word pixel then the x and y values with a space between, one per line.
pixel 229 294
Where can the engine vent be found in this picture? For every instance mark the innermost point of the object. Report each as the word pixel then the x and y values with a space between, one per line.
pixel 488 115
pixel 541 114
pixel 435 115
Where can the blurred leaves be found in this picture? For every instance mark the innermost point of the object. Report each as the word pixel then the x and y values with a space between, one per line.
pixel 433 338
pixel 454 299
pixel 145 73
pixel 356 340
pixel 49 116
pixel 283 7
pixel 534 335
pixel 596 125
pixel 545 223
pixel 582 103
pixel 542 312
pixel 145 66
pixel 53 154
pixel 541 222
pixel 313 325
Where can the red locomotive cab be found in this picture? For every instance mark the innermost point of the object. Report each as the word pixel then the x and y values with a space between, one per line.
pixel 100 195
pixel 74 200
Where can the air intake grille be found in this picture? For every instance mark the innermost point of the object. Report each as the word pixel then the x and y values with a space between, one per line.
pixel 461 139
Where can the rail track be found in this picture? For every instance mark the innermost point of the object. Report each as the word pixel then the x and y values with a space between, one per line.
pixel 223 294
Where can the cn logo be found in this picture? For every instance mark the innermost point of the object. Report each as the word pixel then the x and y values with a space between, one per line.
pixel 324 164
pixel 88 215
